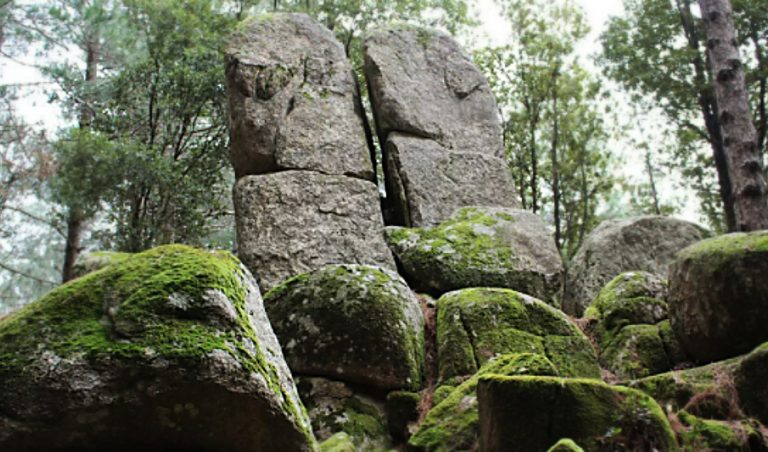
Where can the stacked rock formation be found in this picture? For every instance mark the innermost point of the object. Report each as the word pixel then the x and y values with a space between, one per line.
pixel 305 195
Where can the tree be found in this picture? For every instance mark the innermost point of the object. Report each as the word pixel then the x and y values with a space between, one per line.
pixel 657 51
pixel 738 131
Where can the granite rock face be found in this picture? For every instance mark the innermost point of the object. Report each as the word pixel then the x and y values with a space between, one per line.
pixel 647 243
pixel 718 293
pixel 293 100
pixel 293 222
pixel 169 349
pixel 438 124
pixel 480 247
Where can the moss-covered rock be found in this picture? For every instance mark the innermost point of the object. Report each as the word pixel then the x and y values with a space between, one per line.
pixel 630 298
pixel 335 407
pixel 170 348
pixel 441 393
pixel 751 377
pixel 532 413
pixel 452 424
pixel 480 247
pixel 352 323
pixel 90 262
pixel 710 435
pixel 565 445
pixel 402 413
pixel 636 351
pixel 474 325
pixel 340 442
pixel 718 293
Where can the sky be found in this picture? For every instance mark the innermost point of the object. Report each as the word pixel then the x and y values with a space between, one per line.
pixel 492 31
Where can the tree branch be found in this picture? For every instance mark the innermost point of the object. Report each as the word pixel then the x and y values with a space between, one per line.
pixel 26 275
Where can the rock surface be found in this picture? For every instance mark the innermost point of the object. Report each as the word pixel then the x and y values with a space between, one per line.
pixel 438 124
pixel 616 246
pixel 293 222
pixel 751 377
pixel 91 262
pixel 480 247
pixel 474 325
pixel 293 100
pixel 169 349
pixel 426 182
pixel 352 323
pixel 718 296
pixel 533 413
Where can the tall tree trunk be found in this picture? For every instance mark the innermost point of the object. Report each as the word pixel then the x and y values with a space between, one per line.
pixel 652 184
pixel 553 156
pixel 739 134
pixel 708 108
pixel 75 220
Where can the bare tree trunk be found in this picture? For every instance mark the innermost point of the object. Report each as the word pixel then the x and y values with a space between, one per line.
pixel 652 184
pixel 555 163
pixel 75 220
pixel 739 133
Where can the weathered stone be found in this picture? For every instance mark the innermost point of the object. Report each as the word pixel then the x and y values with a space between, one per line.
pixel 438 124
pixel 751 378
pixel 91 262
pixel 718 293
pixel 334 407
pixel 532 413
pixel 353 323
pixel 480 247
pixel 293 100
pixel 292 222
pixel 426 183
pixel 402 413
pixel 474 325
pixel 616 246
pixel 634 297
pixel 169 349
pixel 635 351
pixel 452 424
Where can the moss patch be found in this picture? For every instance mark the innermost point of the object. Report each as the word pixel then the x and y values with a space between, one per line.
pixel 565 445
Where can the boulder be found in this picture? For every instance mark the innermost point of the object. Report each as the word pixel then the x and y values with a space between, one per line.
pixel 713 435
pixel 402 413
pixel 751 377
pixel 718 296
pixel 293 100
pixel 293 222
pixel 335 407
pixel 647 243
pixel 452 424
pixel 630 298
pixel 635 351
pixel 474 325
pixel 426 182
pixel 96 260
pixel 480 247
pixel 532 413
pixel 438 124
pixel 353 323
pixel 169 349
pixel 565 445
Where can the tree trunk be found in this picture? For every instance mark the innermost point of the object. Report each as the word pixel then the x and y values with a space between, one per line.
pixel 555 163
pixel 739 134
pixel 72 250
pixel 652 184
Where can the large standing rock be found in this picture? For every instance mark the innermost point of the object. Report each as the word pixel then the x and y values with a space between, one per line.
pixel 532 413
pixel 718 296
pixel 292 222
pixel 474 325
pixel 480 247
pixel 352 323
pixel 170 349
pixel 293 100
pixel 438 124
pixel 616 246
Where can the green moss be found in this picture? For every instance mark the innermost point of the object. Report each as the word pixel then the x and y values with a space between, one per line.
pixel 637 351
pixel 704 434
pixel 441 393
pixel 474 325
pixel 750 377
pixel 126 311
pixel 723 248
pixel 453 423
pixel 565 445
pixel 340 442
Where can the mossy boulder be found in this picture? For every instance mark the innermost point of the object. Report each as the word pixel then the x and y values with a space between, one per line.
pixel 402 413
pixel 480 247
pixel 565 445
pixel 340 442
pixel 169 349
pixel 711 435
pixel 96 260
pixel 636 351
pixel 352 323
pixel 335 407
pixel 452 424
pixel 751 378
pixel 474 325
pixel 630 298
pixel 647 243
pixel 532 413
pixel 718 293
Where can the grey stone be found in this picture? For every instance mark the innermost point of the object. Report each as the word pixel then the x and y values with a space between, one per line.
pixel 292 222
pixel 427 183
pixel 646 243
pixel 293 100
pixel 185 375
pixel 480 247
pixel 354 323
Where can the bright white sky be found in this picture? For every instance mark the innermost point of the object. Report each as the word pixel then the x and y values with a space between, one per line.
pixel 493 31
